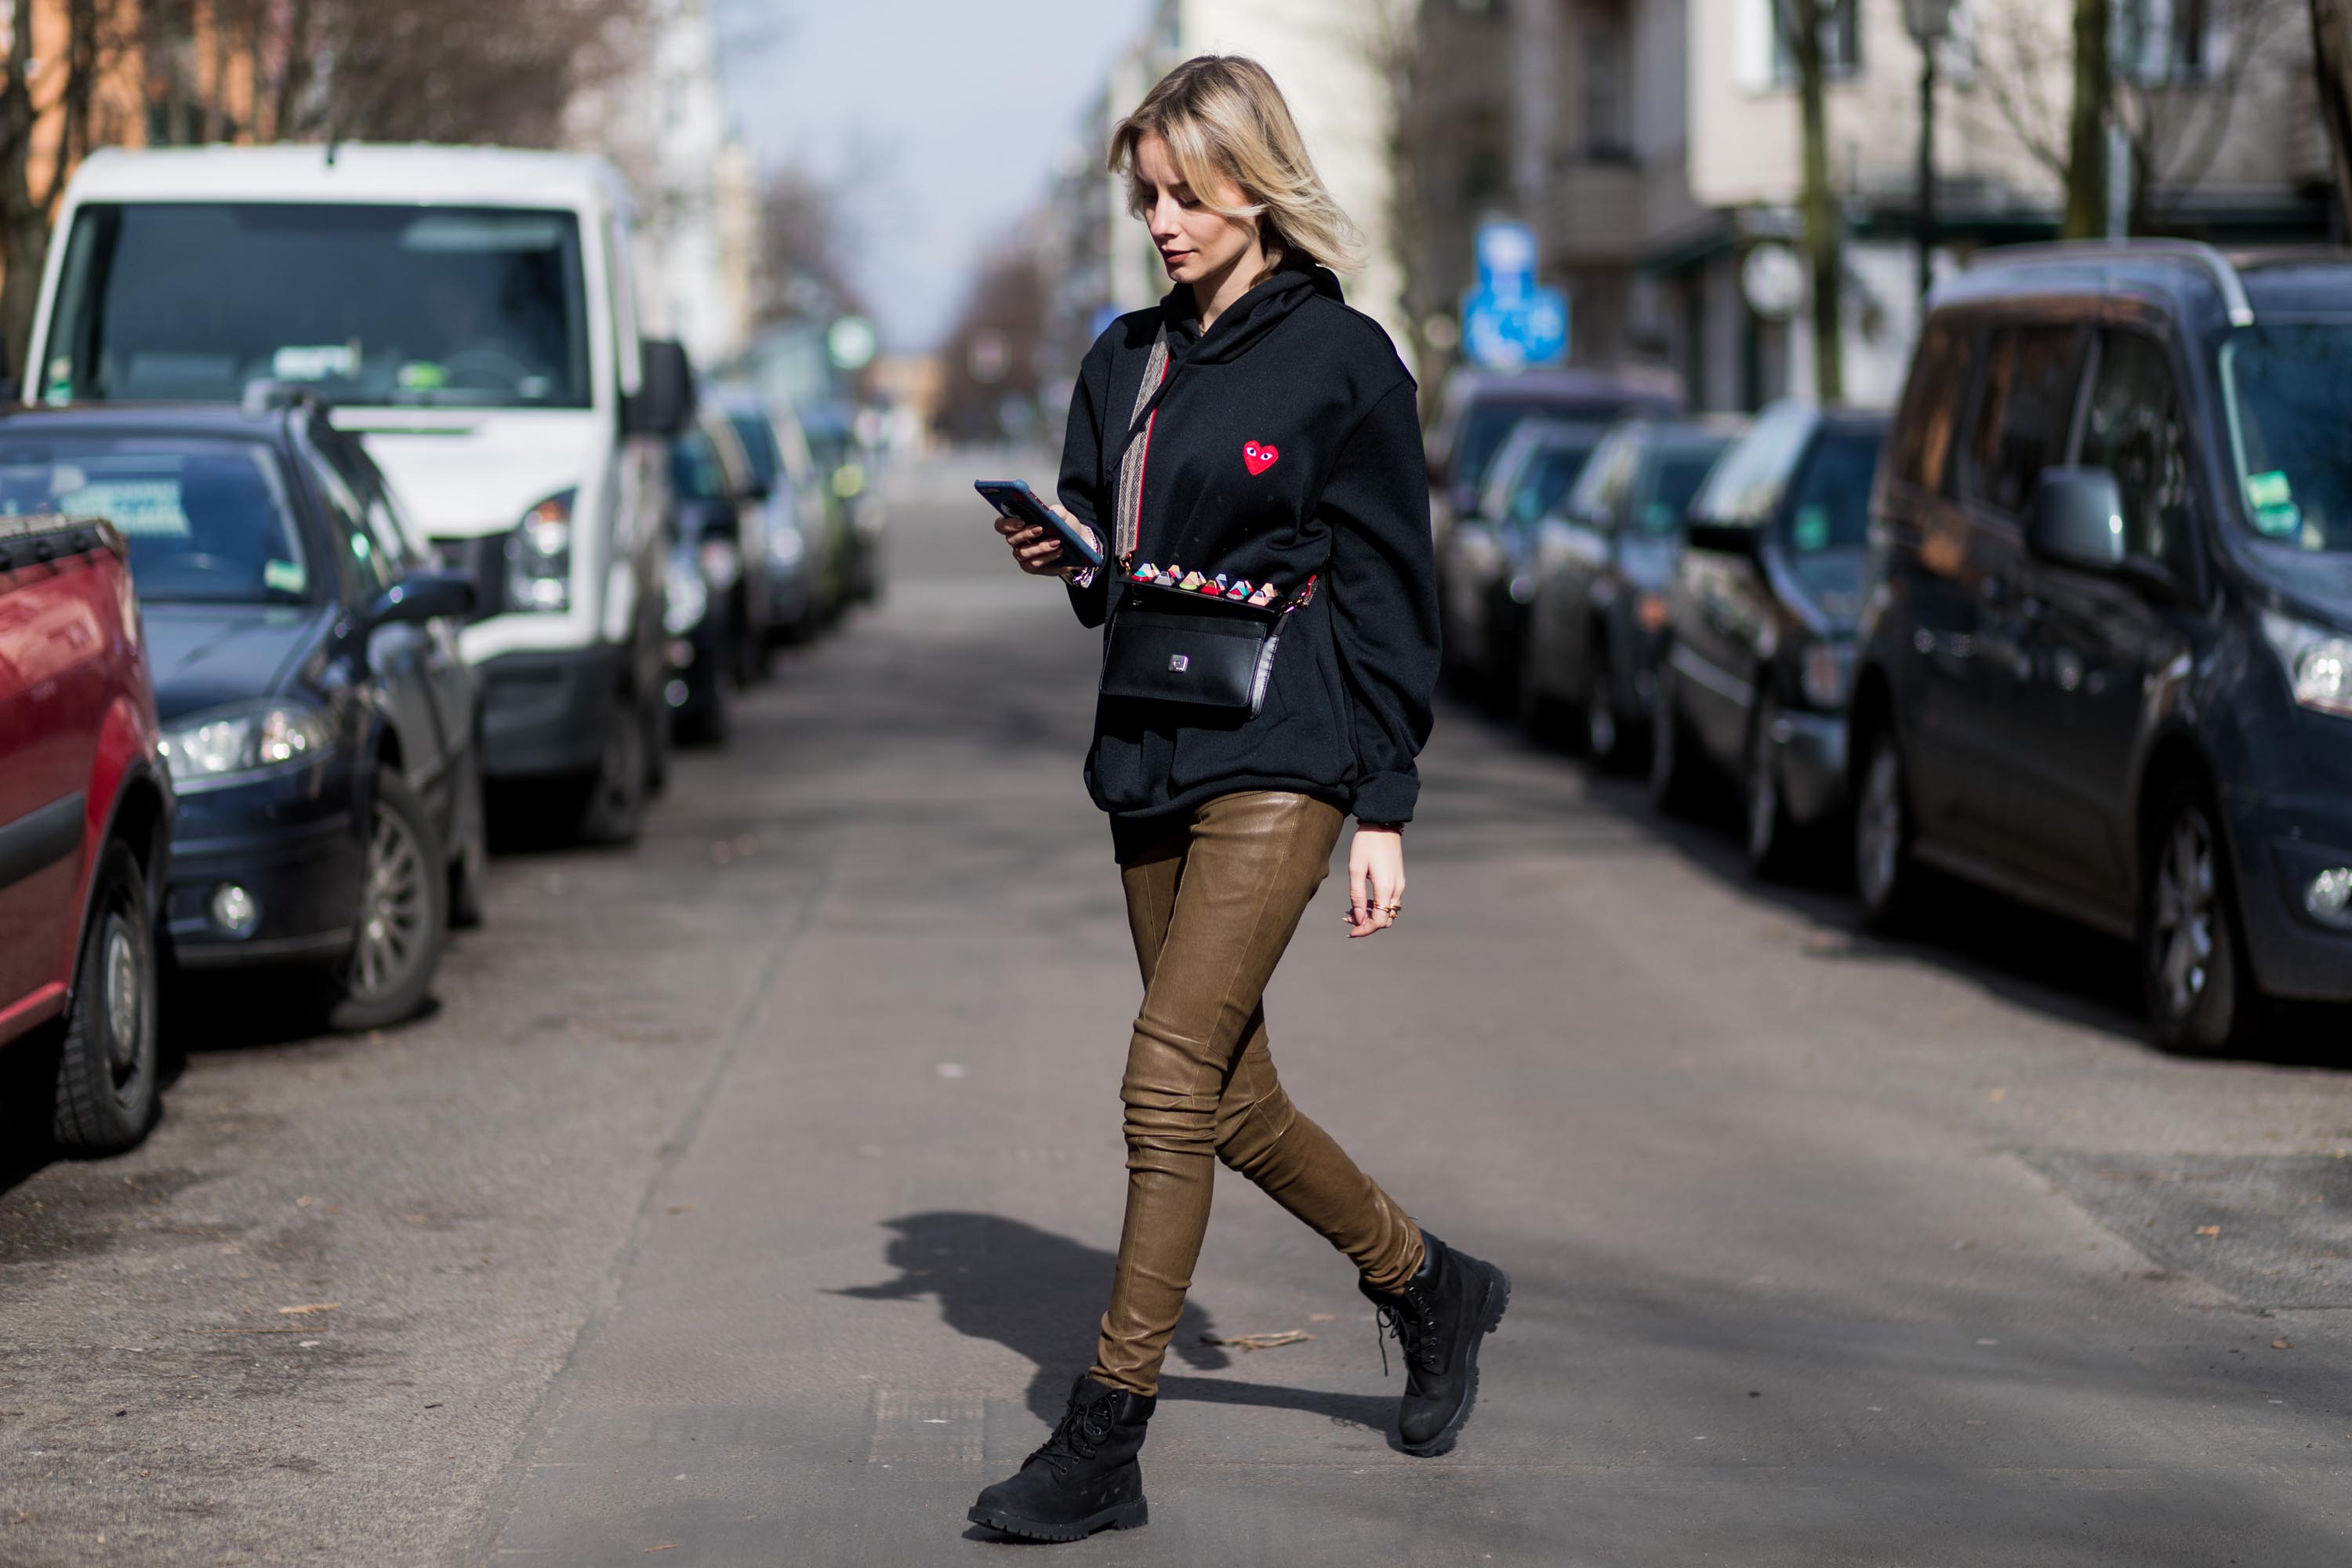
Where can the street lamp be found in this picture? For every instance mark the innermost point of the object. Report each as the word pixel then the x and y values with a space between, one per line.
pixel 1930 23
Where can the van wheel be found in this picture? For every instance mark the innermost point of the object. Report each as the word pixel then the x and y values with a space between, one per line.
pixel 2200 994
pixel 1670 770
pixel 1538 712
pixel 402 917
pixel 612 806
pixel 105 1063
pixel 1604 733
pixel 1769 832
pixel 1884 873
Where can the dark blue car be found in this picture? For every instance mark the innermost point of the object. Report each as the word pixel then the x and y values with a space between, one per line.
pixel 321 728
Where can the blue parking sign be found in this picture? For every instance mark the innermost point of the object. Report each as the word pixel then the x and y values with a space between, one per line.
pixel 1511 327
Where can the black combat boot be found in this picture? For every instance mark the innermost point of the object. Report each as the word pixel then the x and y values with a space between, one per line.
pixel 1438 1317
pixel 1085 1478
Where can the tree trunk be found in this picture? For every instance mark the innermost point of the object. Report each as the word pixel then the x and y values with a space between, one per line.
pixel 2086 130
pixel 1823 252
pixel 2331 34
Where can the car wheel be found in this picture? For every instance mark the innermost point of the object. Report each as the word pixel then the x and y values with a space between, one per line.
pixel 612 808
pixel 704 720
pixel 1670 768
pixel 2201 996
pixel 1604 734
pixel 1884 873
pixel 471 867
pixel 105 1063
pixel 1537 711
pixel 1766 817
pixel 402 917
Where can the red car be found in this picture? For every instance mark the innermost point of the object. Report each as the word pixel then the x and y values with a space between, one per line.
pixel 85 825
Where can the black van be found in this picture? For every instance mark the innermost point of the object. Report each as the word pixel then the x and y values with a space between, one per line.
pixel 2105 653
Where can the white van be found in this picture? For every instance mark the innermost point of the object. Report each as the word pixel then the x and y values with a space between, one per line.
pixel 467 310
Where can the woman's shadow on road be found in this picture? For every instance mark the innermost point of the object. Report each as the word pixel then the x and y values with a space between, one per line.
pixel 1037 1294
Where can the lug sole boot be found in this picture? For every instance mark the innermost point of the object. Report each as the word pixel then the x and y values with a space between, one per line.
pixel 1084 1478
pixel 1439 1317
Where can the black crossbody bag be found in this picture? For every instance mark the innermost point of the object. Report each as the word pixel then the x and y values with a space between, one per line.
pixel 1200 646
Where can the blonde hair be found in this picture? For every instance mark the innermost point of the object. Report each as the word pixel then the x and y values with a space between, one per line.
pixel 1224 120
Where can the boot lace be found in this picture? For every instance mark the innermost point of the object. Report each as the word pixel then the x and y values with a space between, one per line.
pixel 1413 1320
pixel 1083 1429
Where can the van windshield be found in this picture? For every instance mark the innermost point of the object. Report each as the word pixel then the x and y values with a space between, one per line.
pixel 2290 402
pixel 467 307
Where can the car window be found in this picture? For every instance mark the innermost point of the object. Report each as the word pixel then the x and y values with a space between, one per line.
pixel 1747 485
pixel 694 470
pixel 368 564
pixel 386 529
pixel 1830 508
pixel 2135 430
pixel 760 448
pixel 1544 479
pixel 2030 377
pixel 2289 394
pixel 207 520
pixel 1599 492
pixel 1669 481
pixel 1931 407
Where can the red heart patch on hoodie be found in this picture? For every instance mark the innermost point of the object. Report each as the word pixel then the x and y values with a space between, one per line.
pixel 1258 456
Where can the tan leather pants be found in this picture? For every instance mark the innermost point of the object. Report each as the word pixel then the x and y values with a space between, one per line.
pixel 1213 903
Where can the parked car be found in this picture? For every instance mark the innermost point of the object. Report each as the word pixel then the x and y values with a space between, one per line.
pixel 694 613
pixel 471 312
pixel 1604 560
pixel 848 466
pixel 1486 569
pixel 1760 624
pixel 85 832
pixel 802 544
pixel 321 730
pixel 2106 666
pixel 719 518
pixel 1480 408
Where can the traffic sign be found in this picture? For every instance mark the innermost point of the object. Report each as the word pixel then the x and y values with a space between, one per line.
pixel 1507 331
pixel 1507 259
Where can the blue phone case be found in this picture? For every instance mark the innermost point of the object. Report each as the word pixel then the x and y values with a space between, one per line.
pixel 1014 499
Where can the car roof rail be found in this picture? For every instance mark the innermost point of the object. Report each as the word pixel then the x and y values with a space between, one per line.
pixel 2216 266
pixel 264 396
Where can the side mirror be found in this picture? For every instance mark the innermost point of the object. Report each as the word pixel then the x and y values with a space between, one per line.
pixel 423 597
pixel 2076 519
pixel 664 400
pixel 1729 538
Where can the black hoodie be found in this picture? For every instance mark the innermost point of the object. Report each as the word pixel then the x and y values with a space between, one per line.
pixel 1286 444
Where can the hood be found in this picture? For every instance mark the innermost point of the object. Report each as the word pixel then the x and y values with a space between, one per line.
pixel 480 474
pixel 206 656
pixel 1247 320
pixel 2318 586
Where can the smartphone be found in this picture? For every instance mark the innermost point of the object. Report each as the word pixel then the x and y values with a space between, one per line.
pixel 1016 500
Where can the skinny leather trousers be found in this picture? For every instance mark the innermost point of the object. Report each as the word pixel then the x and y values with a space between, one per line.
pixel 1212 901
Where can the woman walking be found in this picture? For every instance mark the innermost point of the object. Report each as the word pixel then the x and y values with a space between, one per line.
pixel 1249 453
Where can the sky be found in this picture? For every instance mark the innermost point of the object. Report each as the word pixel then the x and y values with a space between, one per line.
pixel 949 115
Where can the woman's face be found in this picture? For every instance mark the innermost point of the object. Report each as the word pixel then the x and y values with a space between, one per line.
pixel 1195 241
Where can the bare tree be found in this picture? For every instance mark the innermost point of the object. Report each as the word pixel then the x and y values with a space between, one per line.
pixel 2331 40
pixel 808 237
pixel 2174 105
pixel 1803 27
pixel 992 357
pixel 33 177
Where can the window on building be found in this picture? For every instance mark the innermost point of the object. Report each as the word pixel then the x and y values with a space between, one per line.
pixel 1841 23
pixel 2163 40
pixel 1608 101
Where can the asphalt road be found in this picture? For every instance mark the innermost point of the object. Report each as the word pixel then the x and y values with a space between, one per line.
pixel 748 1197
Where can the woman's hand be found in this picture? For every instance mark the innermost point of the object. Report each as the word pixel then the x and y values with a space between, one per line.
pixel 1037 550
pixel 1375 861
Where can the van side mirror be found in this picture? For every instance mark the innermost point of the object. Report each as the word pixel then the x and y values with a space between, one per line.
pixel 664 400
pixel 2076 519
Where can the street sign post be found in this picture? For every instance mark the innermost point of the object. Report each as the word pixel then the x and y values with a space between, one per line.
pixel 1508 319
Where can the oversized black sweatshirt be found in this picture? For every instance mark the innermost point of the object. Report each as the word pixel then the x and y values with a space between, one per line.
pixel 1286 446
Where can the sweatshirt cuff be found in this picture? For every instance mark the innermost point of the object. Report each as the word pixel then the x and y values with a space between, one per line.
pixel 1387 797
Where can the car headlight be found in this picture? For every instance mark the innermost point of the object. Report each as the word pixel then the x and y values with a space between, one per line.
pixel 230 743
pixel 1827 672
pixel 687 599
pixel 2318 662
pixel 786 546
pixel 539 556
pixel 721 562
